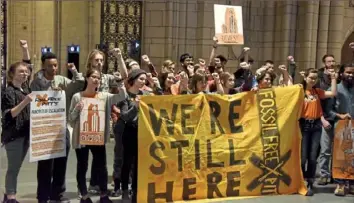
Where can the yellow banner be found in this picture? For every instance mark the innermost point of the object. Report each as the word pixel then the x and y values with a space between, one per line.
pixel 212 146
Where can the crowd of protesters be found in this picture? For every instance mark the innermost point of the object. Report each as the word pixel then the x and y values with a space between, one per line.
pixel 328 98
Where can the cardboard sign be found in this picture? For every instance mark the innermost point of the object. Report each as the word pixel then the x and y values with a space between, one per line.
pixel 47 125
pixel 343 150
pixel 228 24
pixel 92 122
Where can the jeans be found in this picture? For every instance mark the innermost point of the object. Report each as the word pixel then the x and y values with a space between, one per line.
pixel 118 152
pixel 326 152
pixel 130 157
pixel 16 151
pixel 99 159
pixel 310 143
pixel 94 180
pixel 51 175
pixel 342 181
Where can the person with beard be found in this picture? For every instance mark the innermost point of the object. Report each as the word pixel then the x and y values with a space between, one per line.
pixel 324 82
pixel 340 108
pixel 187 63
pixel 187 66
pixel 51 172
pixel 129 109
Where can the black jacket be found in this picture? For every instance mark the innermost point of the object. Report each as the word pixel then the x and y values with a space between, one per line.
pixel 13 128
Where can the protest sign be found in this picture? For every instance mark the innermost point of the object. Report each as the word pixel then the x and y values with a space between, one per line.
pixel 215 146
pixel 47 125
pixel 343 150
pixel 228 24
pixel 92 122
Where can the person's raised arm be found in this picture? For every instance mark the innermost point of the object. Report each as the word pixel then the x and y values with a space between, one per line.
pixel 213 51
pixel 219 87
pixel 151 68
pixel 121 65
pixel 333 91
pixel 286 78
pixel 25 53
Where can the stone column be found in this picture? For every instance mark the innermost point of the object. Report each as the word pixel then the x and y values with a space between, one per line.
pixel 268 31
pixel 305 34
pixel 154 30
pixel 74 30
pixel 335 30
pixel 322 36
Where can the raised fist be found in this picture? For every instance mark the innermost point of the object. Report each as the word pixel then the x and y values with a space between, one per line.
pixel 23 44
pixel 351 45
pixel 215 39
pixel 246 49
pixel 291 58
pixel 71 67
pixel 117 76
pixel 145 59
pixel 115 52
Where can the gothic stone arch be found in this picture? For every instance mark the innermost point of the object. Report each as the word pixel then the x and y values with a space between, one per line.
pixel 347 55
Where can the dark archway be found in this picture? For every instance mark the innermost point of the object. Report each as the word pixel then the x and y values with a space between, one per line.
pixel 347 53
pixel 121 27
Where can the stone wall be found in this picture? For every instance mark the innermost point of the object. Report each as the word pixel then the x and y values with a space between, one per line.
pixel 273 29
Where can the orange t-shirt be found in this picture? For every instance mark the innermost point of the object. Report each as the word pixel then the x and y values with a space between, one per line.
pixel 312 106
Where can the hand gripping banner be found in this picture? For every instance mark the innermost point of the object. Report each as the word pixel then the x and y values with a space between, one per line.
pixel 216 146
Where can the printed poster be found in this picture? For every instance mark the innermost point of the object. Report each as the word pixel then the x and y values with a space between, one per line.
pixel 47 125
pixel 343 150
pixel 228 24
pixel 198 147
pixel 92 122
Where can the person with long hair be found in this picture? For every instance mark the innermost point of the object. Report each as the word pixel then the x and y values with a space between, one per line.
pixel 15 109
pixel 199 84
pixel 96 59
pixel 92 82
pixel 265 79
pixel 166 80
pixel 311 125
pixel 129 118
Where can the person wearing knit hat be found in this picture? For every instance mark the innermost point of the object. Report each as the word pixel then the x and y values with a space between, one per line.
pixel 134 74
pixel 129 122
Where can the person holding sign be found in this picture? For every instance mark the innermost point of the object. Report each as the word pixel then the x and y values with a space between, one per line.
pixel 51 181
pixel 311 125
pixel 129 116
pixel 342 108
pixel 96 59
pixel 92 82
pixel 15 109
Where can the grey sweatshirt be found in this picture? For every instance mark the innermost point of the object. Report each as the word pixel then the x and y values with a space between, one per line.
pixel 343 103
pixel 40 83
pixel 74 114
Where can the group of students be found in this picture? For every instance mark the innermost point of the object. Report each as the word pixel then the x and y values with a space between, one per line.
pixel 121 92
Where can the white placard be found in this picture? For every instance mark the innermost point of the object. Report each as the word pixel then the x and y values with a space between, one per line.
pixel 228 24
pixel 92 122
pixel 47 125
